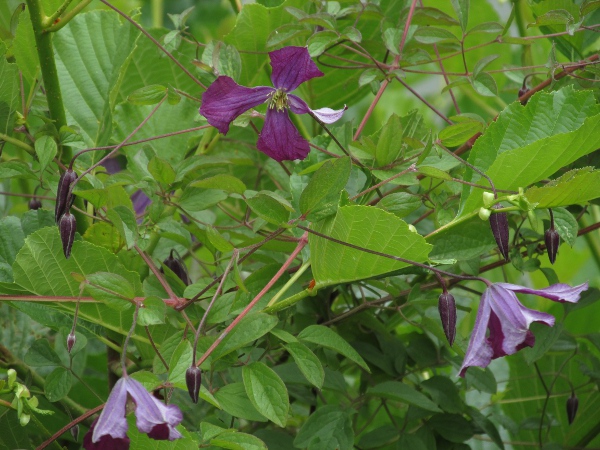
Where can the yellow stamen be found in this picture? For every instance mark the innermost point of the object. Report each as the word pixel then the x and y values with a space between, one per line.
pixel 278 100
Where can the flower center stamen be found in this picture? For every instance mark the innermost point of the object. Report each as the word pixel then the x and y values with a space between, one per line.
pixel 278 100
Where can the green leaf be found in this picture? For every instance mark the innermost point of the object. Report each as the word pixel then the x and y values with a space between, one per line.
pixel 238 441
pixel 487 27
pixel 148 95
pixel 554 17
pixel 180 362
pixel 459 133
pixel 482 64
pixel 514 156
pixel 329 427
pixel 319 42
pixel 589 6
pixel 481 379
pixel 574 187
pixel 486 425
pixel 9 94
pixel 485 85
pixel 466 241
pixel 267 392
pixel 153 312
pixel 545 337
pixel 434 173
pixel 307 362
pixel 443 392
pixel 124 221
pixel 11 241
pixel 161 170
pixel 228 183
pixel 389 145
pixel 367 227
pixel 452 427
pixel 321 196
pixel 24 48
pixel 58 384
pixel 99 42
pixel 218 241
pixel 224 59
pixel 433 35
pixel 234 400
pixel 40 354
pixel 566 225
pixel 196 199
pixel 401 204
pixel 45 148
pixel 248 330
pixel 269 209
pixel 461 8
pixel 325 337
pixel 429 16
pixel 111 289
pixel 395 390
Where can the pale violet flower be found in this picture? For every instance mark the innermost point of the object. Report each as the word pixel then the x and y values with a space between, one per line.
pixel 157 420
pixel 508 321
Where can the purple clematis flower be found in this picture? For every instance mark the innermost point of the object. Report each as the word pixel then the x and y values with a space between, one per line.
pixel 157 420
pixel 225 100
pixel 508 321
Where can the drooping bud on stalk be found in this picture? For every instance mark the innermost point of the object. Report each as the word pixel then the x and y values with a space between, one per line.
pixel 193 378
pixel 572 405
pixel 35 203
pixel 67 226
pixel 447 309
pixel 499 225
pixel 71 339
pixel 552 239
pixel 75 432
pixel 178 267
pixel 63 201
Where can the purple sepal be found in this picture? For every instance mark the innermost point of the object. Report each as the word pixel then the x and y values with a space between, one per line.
pixel 71 339
pixel 292 66
pixel 508 321
pixel 106 442
pixel 280 139
pixel 572 406
pixel 193 379
pixel 224 100
pixel 63 200
pixel 552 240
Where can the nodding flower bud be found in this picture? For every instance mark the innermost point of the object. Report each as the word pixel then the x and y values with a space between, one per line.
pixel 447 309
pixel 178 267
pixel 75 432
pixel 552 242
pixel 63 201
pixel 499 225
pixel 71 339
pixel 572 405
pixel 67 226
pixel 193 378
pixel 35 203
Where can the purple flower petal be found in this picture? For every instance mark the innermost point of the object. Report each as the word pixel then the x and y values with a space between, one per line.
pixel 152 415
pixel 508 321
pixel 224 100
pixel 325 115
pixel 280 139
pixel 292 66
pixel 140 202
pixel 112 421
pixel 106 442
pixel 559 292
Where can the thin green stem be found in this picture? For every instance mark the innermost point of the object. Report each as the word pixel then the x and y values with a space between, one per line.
pixel 289 284
pixel 68 16
pixel 48 21
pixel 17 143
pixel 126 342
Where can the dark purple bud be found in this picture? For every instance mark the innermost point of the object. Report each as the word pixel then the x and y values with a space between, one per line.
pixel 552 242
pixel 35 203
pixel 572 405
pixel 63 200
pixel 67 226
pixel 499 225
pixel 524 90
pixel 178 267
pixel 193 378
pixel 71 339
pixel 75 432
pixel 447 309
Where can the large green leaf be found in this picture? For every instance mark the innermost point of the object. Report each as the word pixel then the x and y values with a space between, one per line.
pixel 168 119
pixel 527 144
pixel 576 186
pixel 328 428
pixel 366 227
pixel 267 392
pixel 41 269
pixel 92 53
pixel 401 392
